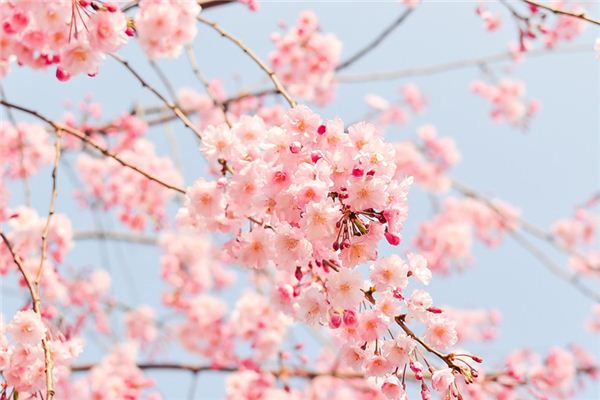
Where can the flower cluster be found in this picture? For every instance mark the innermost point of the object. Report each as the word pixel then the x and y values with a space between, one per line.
pixel 317 199
pixel 24 149
pixel 577 235
pixel 115 377
pixel 22 358
pixel 165 26
pixel 447 238
pixel 305 60
pixel 474 325
pixel 190 264
pixel 428 160
pixel 397 113
pixel 74 35
pixel 557 375
pixel 507 101
pixel 136 197
pixel 26 227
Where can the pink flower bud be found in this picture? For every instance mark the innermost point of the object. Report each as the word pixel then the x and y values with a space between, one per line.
pixel 357 172
pixel 111 7
pixel 295 147
pixel 316 156
pixel 130 31
pixel 392 239
pixel 321 129
pixel 434 310
pixel 335 320
pixel 298 274
pixel 62 75
pixel 350 317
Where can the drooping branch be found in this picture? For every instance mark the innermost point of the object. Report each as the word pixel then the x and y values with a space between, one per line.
pixel 172 106
pixel 376 41
pixel 454 65
pixel 36 305
pixel 116 236
pixel 83 137
pixel 278 85
pixel 51 208
pixel 579 15
pixel 571 278
pixel 191 55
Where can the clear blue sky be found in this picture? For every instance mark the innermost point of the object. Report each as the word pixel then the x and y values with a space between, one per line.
pixel 544 171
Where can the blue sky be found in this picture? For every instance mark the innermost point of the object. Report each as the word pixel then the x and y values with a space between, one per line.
pixel 545 171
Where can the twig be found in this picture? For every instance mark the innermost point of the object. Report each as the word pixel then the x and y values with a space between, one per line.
pixel 453 65
pixel 172 106
pixel 540 234
pixel 51 208
pixel 36 303
pixel 189 51
pixel 163 77
pixel 206 4
pixel 82 136
pixel 556 269
pixel 579 15
pixel 117 236
pixel 280 88
pixel 375 42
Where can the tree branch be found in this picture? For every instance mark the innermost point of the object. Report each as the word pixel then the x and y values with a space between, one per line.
pixel 452 66
pixel 83 137
pixel 36 303
pixel 117 236
pixel 375 42
pixel 172 106
pixel 278 85
pixel 51 208
pixel 558 11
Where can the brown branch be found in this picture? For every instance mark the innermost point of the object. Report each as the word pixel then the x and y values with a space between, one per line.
pixel 36 303
pixel 453 65
pixel 278 85
pixel 51 208
pixel 553 267
pixel 189 51
pixel 117 236
pixel 172 106
pixel 536 232
pixel 375 42
pixel 579 15
pixel 83 137
pixel 206 4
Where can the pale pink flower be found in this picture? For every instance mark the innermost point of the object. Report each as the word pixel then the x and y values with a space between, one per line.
pixel 27 328
pixel 441 332
pixel 344 288
pixel 442 379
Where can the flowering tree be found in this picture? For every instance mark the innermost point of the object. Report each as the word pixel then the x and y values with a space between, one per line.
pixel 286 267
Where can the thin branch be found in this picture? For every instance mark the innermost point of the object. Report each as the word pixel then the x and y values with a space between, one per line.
pixel 579 15
pixel 454 65
pixel 172 106
pixel 36 303
pixel 116 236
pixel 540 234
pixel 278 85
pixel 163 77
pixel 206 4
pixel 553 267
pixel 82 136
pixel 375 42
pixel 191 55
pixel 51 208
